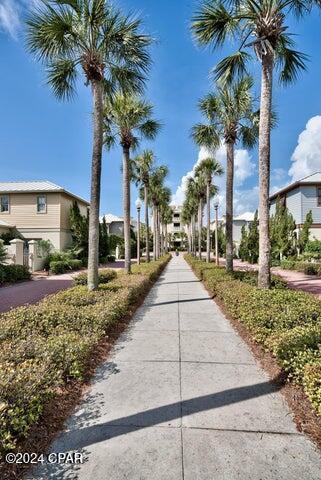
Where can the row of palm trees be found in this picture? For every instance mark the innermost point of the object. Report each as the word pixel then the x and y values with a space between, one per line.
pixel 261 27
pixel 200 190
pixel 151 179
pixel 94 40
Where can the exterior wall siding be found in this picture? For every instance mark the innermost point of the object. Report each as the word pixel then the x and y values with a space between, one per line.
pixel 23 211
pixel 294 204
pixel 309 202
pixel 66 203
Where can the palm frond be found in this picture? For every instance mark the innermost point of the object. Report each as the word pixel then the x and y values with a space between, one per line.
pixel 206 136
pixel 231 67
pixel 290 61
pixel 62 76
pixel 150 129
pixel 213 23
pixel 50 33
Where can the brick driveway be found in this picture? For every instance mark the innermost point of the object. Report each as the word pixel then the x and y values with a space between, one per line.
pixel 32 291
pixel 295 280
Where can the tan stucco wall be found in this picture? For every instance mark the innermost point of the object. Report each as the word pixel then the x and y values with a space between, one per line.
pixel 4 229
pixel 52 225
pixel 23 211
pixel 66 203
pixel 315 233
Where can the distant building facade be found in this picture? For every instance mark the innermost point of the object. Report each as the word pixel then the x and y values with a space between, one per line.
pixel 300 197
pixel 115 224
pixel 38 210
pixel 238 222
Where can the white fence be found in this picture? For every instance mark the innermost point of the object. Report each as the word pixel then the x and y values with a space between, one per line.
pixel 19 253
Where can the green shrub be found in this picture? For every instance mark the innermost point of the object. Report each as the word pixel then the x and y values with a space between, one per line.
pixel 283 321
pixel 58 267
pixel 312 384
pixel 75 264
pixel 105 276
pixel 62 266
pixel 46 345
pixel 13 273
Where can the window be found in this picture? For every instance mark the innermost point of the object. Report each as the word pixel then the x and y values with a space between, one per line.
pixel 4 204
pixel 176 215
pixel 319 196
pixel 177 225
pixel 41 204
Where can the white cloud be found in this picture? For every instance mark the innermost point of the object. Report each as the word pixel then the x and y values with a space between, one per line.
pixel 10 17
pixel 244 168
pixel 306 157
pixel 278 175
pixel 179 196
pixel 11 12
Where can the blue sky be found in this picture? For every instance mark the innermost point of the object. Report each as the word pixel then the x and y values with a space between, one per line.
pixel 41 138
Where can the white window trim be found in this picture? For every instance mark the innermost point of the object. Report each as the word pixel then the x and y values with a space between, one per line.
pixel 5 195
pixel 45 211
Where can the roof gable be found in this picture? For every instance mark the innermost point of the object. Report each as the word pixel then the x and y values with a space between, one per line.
pixel 41 186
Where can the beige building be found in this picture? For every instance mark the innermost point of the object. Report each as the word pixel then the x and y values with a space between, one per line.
pixel 38 210
pixel 176 228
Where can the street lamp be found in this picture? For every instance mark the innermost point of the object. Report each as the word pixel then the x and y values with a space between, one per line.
pixel 138 204
pixel 216 205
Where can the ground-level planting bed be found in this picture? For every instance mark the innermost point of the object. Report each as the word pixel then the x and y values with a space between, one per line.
pixel 284 322
pixel 47 347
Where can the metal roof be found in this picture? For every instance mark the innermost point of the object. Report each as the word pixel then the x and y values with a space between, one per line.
pixel 5 224
pixel 41 186
pixel 309 179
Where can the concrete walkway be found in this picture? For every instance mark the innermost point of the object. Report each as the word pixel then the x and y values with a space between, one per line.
pixel 181 397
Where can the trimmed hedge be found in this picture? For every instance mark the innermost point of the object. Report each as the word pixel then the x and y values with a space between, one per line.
pixel 285 322
pixel 46 345
pixel 105 276
pixel 62 266
pixel 13 273
pixel 308 268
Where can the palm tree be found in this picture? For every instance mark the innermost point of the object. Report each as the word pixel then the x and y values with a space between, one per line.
pixel 208 168
pixel 230 116
pixel 261 26
pixel 166 216
pixel 89 37
pixel 142 167
pixel 128 119
pixel 191 205
pixel 200 193
pixel 156 191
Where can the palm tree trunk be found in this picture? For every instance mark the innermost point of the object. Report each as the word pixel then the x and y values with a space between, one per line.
pixel 126 206
pixel 208 235
pixel 154 232
pixel 157 234
pixel 264 171
pixel 200 208
pixel 166 239
pixel 146 223
pixel 193 236
pixel 229 205
pixel 93 236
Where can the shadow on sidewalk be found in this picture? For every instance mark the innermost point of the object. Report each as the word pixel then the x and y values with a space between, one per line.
pixel 84 437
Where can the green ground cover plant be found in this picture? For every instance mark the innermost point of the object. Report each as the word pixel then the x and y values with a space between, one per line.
pixel 285 322
pixel 13 274
pixel 44 346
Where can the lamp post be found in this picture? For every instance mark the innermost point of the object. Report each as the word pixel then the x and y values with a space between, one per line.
pixel 216 234
pixel 138 206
